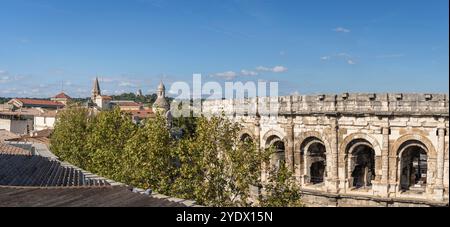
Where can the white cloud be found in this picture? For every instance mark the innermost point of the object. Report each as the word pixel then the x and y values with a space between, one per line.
pixel 107 79
pixel 127 84
pixel 262 68
pixel 118 92
pixel 6 77
pixel 279 69
pixel 344 56
pixel 295 93
pixel 276 69
pixel 391 56
pixel 226 75
pixel 230 75
pixel 341 29
pixel 245 72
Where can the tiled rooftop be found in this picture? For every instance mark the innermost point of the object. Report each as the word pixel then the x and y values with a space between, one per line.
pixel 37 181
pixel 6 149
pixel 21 111
pixel 38 171
pixel 40 102
pixel 141 113
pixel 117 196
pixel 7 135
pixel 62 95
pixel 126 103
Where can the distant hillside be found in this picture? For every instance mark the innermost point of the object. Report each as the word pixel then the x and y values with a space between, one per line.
pixel 4 100
pixel 147 99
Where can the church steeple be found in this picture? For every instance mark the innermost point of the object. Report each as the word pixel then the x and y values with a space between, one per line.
pixel 161 90
pixel 96 90
pixel 161 103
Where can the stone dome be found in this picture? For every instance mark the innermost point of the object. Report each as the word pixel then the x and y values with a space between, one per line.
pixel 161 103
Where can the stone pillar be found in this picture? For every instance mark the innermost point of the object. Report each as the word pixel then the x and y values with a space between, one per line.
pixel 258 145
pixel 439 187
pixel 333 184
pixel 258 133
pixel 382 188
pixel 385 157
pixel 289 146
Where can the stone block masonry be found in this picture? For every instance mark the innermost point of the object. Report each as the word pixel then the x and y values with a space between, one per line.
pixel 364 149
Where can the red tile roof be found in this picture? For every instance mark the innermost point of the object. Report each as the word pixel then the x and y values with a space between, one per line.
pixel 62 95
pixel 12 150
pixel 39 102
pixel 106 97
pixel 141 113
pixel 125 103
pixel 7 135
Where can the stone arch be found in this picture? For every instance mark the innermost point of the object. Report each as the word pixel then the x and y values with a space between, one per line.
pixel 245 132
pixel 273 137
pixel 411 137
pixel 311 134
pixel 411 140
pixel 409 152
pixel 301 160
pixel 271 133
pixel 355 136
pixel 348 146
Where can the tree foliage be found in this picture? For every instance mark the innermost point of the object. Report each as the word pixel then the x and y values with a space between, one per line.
pixel 280 190
pixel 109 133
pixel 68 141
pixel 211 165
pixel 216 168
pixel 148 158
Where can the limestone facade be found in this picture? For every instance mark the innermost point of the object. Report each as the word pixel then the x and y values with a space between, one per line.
pixel 374 147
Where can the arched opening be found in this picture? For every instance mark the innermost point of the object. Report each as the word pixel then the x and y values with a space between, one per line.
pixel 362 164
pixel 246 138
pixel 314 153
pixel 413 167
pixel 317 172
pixel 278 158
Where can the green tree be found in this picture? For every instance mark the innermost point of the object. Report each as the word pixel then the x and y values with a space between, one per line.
pixel 109 133
pixel 216 168
pixel 211 166
pixel 187 125
pixel 68 140
pixel 148 158
pixel 280 189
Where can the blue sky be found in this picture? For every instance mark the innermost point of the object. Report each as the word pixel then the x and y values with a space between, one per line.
pixel 320 46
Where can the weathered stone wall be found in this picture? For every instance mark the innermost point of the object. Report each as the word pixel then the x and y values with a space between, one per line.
pixel 387 123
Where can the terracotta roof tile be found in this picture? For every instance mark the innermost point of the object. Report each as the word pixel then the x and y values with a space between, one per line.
pixel 12 150
pixel 39 102
pixel 117 196
pixel 62 95
pixel 7 135
pixel 106 97
pixel 39 171
pixel 39 181
pixel 141 113
pixel 128 103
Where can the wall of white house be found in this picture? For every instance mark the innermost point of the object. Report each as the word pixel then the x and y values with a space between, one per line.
pixel 20 127
pixel 41 123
